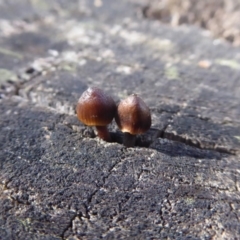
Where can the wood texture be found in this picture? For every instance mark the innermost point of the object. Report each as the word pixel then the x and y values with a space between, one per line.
pixel 59 181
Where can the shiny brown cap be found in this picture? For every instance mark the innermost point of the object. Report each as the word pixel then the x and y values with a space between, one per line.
pixel 95 108
pixel 133 115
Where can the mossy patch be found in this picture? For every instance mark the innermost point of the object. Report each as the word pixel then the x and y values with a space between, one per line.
pixel 171 73
pixel 228 63
pixel 10 53
pixel 6 75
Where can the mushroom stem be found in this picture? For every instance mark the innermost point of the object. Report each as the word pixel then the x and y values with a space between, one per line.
pixel 129 139
pixel 103 133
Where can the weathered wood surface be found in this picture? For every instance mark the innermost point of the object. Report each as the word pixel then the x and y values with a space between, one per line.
pixel 58 181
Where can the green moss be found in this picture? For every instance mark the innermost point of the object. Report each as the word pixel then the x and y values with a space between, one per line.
pixel 189 201
pixel 6 75
pixel 228 63
pixel 68 67
pixel 157 44
pixel 26 223
pixel 10 53
pixel 237 137
pixel 171 73
pixel 39 4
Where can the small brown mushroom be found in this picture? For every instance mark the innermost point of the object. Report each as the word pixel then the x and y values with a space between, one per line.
pixel 132 117
pixel 96 108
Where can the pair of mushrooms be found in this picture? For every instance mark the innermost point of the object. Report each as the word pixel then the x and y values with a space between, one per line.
pixel 132 115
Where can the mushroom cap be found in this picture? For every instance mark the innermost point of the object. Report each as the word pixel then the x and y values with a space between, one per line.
pixel 133 115
pixel 95 108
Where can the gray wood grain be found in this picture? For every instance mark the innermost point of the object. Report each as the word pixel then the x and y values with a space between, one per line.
pixel 59 181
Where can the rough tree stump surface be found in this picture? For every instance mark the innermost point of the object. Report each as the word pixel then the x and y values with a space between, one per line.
pixel 59 181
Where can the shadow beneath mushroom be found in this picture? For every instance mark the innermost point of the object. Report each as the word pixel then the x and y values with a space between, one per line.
pixel 143 140
pixel 174 149
pixel 153 139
